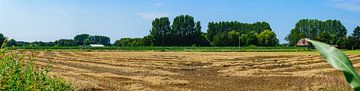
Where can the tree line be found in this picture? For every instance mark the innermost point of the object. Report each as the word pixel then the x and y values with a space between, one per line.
pixel 329 31
pixel 79 40
pixel 185 31
pixel 234 33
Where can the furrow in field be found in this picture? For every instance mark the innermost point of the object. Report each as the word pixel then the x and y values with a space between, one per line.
pixel 110 68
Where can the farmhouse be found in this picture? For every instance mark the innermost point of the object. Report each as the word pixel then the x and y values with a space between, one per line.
pixel 96 45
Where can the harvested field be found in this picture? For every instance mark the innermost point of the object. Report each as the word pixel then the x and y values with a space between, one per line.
pixel 194 71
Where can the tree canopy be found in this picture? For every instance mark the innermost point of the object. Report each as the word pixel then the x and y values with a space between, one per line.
pixel 183 31
pixel 161 31
pixel 329 31
pixel 86 39
pixel 353 41
pixel 2 39
pixel 267 38
pixel 65 42
pixel 227 33
pixel 130 42
pixel 81 39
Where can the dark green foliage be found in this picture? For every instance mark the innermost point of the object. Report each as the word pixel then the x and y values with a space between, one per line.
pixel 203 40
pixel 65 42
pixel 185 31
pixel 249 38
pixel 22 43
pixel 86 39
pixel 220 39
pixel 227 33
pixel 233 38
pixel 12 42
pixel 41 43
pixel 148 40
pixel 267 38
pixel 82 39
pixel 2 39
pixel 99 40
pixel 161 31
pixel 329 31
pixel 294 36
pixel 356 32
pixel 324 37
pixel 353 41
pixel 130 42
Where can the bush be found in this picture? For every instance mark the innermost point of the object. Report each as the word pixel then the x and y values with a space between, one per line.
pixel 18 74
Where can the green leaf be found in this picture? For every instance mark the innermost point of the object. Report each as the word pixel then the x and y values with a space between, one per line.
pixel 340 61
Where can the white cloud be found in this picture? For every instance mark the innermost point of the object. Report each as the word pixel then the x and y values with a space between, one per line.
pixel 151 16
pixel 158 4
pixel 349 5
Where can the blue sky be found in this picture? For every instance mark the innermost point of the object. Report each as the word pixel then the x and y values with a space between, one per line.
pixel 48 20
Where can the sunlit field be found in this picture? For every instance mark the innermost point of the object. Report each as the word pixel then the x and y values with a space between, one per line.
pixel 211 71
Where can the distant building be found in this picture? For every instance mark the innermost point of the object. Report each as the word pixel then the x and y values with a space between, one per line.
pixel 97 45
pixel 302 42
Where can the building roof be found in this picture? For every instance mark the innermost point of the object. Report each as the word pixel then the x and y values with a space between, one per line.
pixel 302 42
pixel 97 45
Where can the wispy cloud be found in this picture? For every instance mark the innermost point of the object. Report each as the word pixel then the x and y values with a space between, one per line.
pixel 349 5
pixel 151 16
pixel 158 4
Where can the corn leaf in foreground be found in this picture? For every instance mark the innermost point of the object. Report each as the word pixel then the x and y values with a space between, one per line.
pixel 340 61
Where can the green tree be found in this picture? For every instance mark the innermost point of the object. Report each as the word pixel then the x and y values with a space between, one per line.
pixel 123 42
pixel 96 39
pixel 216 28
pixel 249 38
pixel 130 42
pixel 82 39
pixel 267 38
pixel 294 36
pixel 324 37
pixel 353 41
pixel 197 36
pixel 335 29
pixel 2 39
pixel 160 31
pixel 204 41
pixel 148 40
pixel 65 42
pixel 12 42
pixel 220 39
pixel 184 31
pixel 329 31
pixel 356 32
pixel 233 37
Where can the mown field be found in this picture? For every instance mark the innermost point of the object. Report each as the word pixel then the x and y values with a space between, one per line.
pixel 195 71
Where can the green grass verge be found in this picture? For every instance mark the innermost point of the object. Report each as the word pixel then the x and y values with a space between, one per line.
pixel 175 49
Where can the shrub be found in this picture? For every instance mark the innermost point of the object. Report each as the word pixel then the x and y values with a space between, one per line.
pixel 18 74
